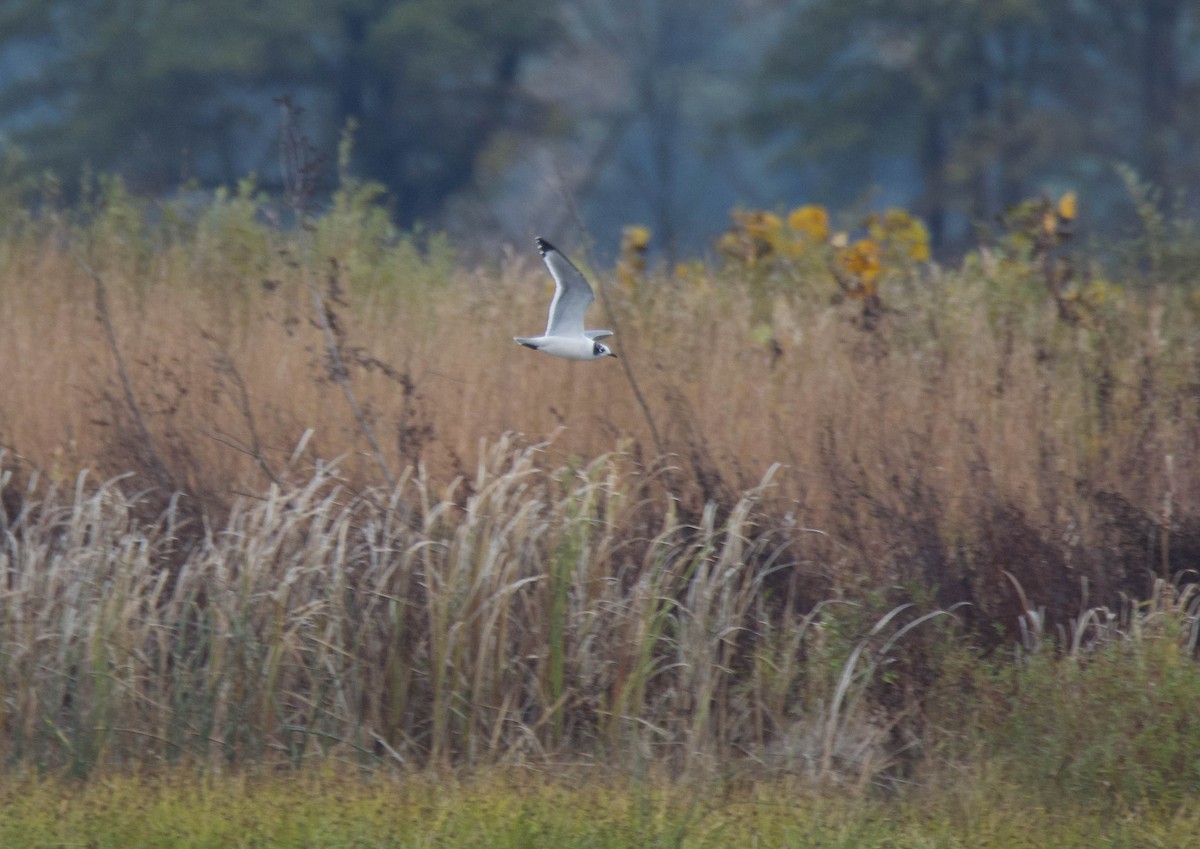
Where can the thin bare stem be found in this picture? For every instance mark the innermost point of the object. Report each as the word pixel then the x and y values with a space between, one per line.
pixel 226 366
pixel 157 467
pixel 298 169
pixel 626 358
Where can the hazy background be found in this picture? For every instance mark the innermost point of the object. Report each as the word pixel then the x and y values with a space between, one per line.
pixel 498 119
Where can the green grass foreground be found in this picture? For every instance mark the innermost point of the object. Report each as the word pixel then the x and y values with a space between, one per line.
pixel 330 808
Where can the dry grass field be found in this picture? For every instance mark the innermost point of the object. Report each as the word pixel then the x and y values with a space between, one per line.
pixel 276 494
pixel 973 431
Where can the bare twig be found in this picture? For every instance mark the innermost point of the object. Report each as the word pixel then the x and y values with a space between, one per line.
pixel 298 176
pixel 157 467
pixel 226 366
pixel 625 359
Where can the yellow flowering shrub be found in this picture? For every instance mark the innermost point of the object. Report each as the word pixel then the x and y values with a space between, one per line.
pixel 859 264
pixel 1031 247
pixel 802 247
pixel 754 236
pixel 902 236
pixel 1067 206
pixel 894 240
pixel 757 236
pixel 1034 227
pixel 811 222
pixel 800 250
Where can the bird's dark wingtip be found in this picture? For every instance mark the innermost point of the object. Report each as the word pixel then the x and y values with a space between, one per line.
pixel 543 246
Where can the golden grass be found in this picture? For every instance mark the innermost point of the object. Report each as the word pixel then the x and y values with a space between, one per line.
pixel 972 414
pixel 544 615
pixel 946 382
pixel 517 599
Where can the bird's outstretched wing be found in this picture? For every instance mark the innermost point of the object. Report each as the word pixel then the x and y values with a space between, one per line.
pixel 572 294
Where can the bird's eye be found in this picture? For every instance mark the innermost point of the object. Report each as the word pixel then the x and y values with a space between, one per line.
pixel 599 352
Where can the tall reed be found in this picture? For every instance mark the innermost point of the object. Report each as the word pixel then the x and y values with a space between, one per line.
pixel 531 613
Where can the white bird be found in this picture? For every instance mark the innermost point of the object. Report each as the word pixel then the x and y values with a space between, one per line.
pixel 565 336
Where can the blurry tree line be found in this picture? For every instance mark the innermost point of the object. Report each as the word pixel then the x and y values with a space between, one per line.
pixel 988 100
pixel 667 112
pixel 164 90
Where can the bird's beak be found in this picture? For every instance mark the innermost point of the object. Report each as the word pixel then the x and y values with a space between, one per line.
pixel 611 354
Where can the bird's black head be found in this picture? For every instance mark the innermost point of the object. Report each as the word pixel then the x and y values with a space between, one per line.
pixel 602 351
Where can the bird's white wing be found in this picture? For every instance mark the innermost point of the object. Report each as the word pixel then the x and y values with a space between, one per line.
pixel 572 294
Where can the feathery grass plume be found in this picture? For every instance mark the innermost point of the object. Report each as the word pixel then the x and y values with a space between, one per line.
pixel 522 622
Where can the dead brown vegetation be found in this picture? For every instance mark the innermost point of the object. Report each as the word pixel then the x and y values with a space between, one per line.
pixel 969 437
pixel 512 570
